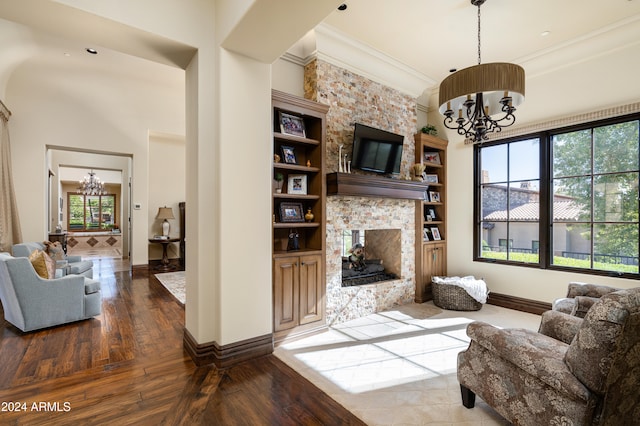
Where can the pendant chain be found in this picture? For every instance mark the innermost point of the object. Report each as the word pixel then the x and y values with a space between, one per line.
pixel 479 58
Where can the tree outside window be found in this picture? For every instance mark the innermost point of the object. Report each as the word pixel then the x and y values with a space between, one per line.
pixel 91 212
pixel 581 212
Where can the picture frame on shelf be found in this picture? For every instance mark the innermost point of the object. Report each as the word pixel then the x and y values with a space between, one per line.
pixel 297 184
pixel 292 125
pixel 432 157
pixel 291 212
pixel 434 196
pixel 435 232
pixel 432 214
pixel 430 178
pixel 425 234
pixel 289 154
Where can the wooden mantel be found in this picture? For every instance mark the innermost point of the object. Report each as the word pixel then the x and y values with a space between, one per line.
pixel 374 186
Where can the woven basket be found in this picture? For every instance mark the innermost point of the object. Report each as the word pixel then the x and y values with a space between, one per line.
pixel 453 297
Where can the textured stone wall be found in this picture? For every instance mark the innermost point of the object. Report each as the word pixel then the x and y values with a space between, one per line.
pixel 353 98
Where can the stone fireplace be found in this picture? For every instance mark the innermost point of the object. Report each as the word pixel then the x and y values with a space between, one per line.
pixel 389 223
pixel 379 217
pixel 382 256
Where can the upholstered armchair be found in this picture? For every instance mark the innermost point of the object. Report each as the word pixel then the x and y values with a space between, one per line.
pixel 573 371
pixel 31 302
pixel 580 297
pixel 68 264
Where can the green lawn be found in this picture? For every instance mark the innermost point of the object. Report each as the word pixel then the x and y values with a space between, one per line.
pixel 561 261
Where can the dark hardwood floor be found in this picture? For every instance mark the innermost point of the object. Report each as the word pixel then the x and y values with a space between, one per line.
pixel 128 367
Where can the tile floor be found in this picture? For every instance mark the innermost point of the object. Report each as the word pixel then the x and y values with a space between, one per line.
pixel 399 367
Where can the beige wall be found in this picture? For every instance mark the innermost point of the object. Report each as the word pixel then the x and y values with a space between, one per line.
pixel 167 171
pixel 576 88
pixel 92 112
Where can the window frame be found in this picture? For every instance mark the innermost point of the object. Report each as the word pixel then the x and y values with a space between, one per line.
pixel 546 192
pixel 84 217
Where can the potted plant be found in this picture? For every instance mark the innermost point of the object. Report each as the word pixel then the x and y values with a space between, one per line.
pixel 429 129
pixel 279 178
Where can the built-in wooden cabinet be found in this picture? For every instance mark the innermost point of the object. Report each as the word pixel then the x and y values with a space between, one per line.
pixel 299 243
pixel 431 215
pixel 298 291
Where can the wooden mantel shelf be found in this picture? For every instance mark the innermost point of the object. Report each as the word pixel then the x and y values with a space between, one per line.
pixel 374 186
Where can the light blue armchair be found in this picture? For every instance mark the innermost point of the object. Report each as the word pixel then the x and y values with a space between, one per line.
pixel 31 302
pixel 71 265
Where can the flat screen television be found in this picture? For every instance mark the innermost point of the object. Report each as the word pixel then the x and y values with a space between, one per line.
pixel 376 150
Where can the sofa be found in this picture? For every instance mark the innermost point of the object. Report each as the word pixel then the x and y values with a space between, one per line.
pixel 580 297
pixel 66 265
pixel 573 371
pixel 31 302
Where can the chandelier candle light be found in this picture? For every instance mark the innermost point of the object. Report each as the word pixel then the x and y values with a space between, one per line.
pixel 91 185
pixel 484 96
pixel 165 213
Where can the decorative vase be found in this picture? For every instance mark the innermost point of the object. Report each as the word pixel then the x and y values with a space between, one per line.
pixel 309 215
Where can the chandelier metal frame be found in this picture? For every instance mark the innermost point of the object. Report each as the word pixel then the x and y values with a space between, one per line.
pixel 91 185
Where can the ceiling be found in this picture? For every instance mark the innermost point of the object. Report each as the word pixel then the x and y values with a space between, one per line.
pixel 428 36
pixel 434 36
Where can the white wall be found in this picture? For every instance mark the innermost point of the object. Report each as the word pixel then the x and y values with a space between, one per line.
pixel 580 87
pixel 95 112
pixel 167 171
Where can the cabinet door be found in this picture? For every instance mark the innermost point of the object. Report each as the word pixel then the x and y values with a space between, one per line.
pixel 311 289
pixel 434 263
pixel 286 293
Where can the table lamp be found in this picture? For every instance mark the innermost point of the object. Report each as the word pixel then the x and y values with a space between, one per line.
pixel 165 213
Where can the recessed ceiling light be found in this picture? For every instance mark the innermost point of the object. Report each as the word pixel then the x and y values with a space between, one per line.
pixel 67 54
pixel 343 6
pixel 91 50
pixel 545 33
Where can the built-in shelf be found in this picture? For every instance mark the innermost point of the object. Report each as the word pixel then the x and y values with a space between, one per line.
pixel 374 186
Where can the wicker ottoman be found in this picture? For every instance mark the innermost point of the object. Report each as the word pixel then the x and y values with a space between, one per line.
pixel 453 297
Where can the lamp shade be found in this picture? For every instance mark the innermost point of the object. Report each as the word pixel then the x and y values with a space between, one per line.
pixel 492 79
pixel 165 213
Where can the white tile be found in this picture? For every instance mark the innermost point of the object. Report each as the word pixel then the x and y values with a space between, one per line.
pixel 399 367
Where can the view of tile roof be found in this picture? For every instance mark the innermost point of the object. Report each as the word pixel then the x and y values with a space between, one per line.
pixel 563 210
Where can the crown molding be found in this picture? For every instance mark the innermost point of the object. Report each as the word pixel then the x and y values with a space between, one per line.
pixel 333 46
pixel 565 121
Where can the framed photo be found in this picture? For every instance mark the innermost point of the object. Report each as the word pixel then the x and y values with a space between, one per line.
pixel 430 178
pixel 432 214
pixel 291 212
pixel 432 157
pixel 291 125
pixel 434 196
pixel 436 233
pixel 297 184
pixel 289 154
pixel 425 234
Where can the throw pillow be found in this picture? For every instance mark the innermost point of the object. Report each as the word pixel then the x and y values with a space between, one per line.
pixel 54 249
pixel 43 264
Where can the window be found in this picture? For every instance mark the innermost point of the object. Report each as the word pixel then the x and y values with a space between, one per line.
pixel 510 207
pixel 91 212
pixel 564 199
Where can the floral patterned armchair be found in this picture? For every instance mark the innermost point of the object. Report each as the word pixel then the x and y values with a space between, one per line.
pixel 573 371
pixel 580 297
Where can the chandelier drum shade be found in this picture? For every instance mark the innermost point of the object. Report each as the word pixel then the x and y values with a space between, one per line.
pixel 91 185
pixel 481 99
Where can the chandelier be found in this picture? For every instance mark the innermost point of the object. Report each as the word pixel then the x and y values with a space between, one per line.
pixel 484 96
pixel 91 185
